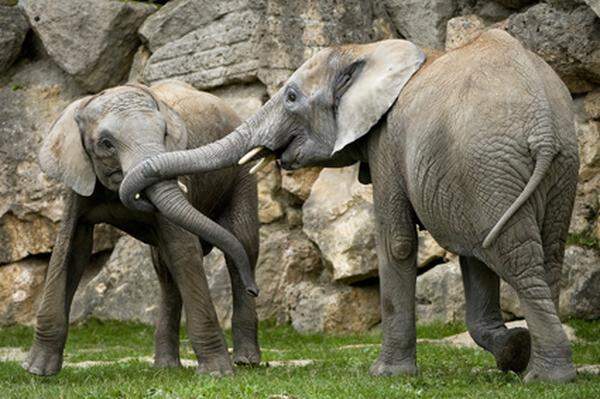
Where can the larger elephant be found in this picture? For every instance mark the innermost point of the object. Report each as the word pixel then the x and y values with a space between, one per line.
pixel 477 146
pixel 89 148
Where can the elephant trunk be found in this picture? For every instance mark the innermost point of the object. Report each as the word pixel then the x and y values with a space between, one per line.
pixel 170 201
pixel 220 154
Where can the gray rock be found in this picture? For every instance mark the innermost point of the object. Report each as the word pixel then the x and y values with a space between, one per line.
pixel 515 4
pixel 585 221
pixel 217 53
pixel 179 17
pixel 286 258
pixel 462 30
pixel 334 308
pixel 32 95
pixel 140 58
pixel 594 5
pixel 338 216
pixel 566 39
pixel 21 285
pixel 440 295
pixel 580 283
pixel 94 41
pixel 125 289
pixel 13 28
pixel 422 21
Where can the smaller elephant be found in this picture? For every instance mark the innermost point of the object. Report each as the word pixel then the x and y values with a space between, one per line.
pixel 89 148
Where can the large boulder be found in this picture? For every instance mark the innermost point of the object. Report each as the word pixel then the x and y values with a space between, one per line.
pixel 179 17
pixel 92 40
pixel 21 285
pixel 13 28
pixel 126 288
pixel 331 307
pixel 585 222
pixel 32 94
pixel 338 216
pixel 218 52
pixel 286 258
pixel 567 39
pixel 462 30
pixel 440 295
pixel 422 21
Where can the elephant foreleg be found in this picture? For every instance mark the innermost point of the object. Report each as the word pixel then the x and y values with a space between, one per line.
pixel 241 218
pixel 182 254
pixel 484 318
pixel 166 336
pixel 71 255
pixel 397 253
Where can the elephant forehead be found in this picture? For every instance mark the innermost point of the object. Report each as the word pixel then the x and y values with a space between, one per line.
pixel 314 73
pixel 120 100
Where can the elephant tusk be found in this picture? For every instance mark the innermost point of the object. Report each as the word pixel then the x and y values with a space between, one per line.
pixel 182 186
pixel 251 154
pixel 261 164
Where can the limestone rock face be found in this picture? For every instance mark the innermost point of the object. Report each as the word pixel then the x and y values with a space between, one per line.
pixel 93 41
pixel 286 258
pixel 585 220
pixel 422 21
pixel 216 53
pixel 580 296
pixel 440 295
pixel 126 288
pixel 332 307
pixel 21 284
pixel 179 17
pixel 339 218
pixel 565 38
pixel 299 182
pixel 13 28
pixel 462 30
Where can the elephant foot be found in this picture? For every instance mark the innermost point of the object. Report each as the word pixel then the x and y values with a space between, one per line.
pixel 246 355
pixel 163 360
pixel 557 374
pixel 218 366
pixel 43 361
pixel 514 347
pixel 385 369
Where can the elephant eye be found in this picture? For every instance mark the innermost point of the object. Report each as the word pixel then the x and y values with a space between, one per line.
pixel 106 143
pixel 291 96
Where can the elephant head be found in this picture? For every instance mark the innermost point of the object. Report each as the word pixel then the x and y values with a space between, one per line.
pixel 330 102
pixel 97 139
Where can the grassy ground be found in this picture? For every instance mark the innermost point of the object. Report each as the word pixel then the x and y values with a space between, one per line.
pixel 337 372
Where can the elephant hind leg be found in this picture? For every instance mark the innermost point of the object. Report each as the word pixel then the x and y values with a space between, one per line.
pixel 166 336
pixel 518 257
pixel 510 347
pixel 555 229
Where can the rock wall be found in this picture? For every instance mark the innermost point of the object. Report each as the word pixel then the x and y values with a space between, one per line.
pixel 318 268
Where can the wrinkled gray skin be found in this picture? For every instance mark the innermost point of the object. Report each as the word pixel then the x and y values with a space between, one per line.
pixel 118 128
pixel 479 148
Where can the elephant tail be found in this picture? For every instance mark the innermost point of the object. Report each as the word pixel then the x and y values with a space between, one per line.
pixel 543 160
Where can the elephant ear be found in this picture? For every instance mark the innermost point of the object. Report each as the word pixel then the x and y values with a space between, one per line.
pixel 63 156
pixel 368 87
pixel 177 135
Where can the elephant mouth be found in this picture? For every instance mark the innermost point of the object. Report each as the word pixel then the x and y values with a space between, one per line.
pixel 263 155
pixel 115 176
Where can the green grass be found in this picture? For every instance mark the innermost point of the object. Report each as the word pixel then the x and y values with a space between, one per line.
pixel 446 372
